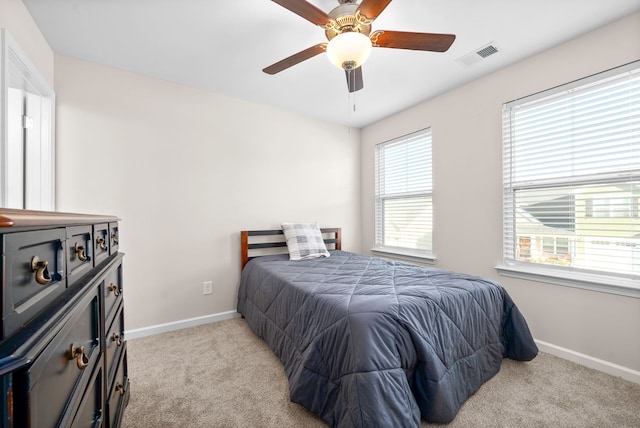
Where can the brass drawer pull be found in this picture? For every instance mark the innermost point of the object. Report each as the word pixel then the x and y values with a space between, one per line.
pixel 42 271
pixel 79 249
pixel 78 354
pixel 102 243
pixel 114 238
pixel 120 389
pixel 114 288
pixel 116 338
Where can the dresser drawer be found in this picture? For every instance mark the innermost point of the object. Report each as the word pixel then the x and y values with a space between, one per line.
pixel 101 241
pixel 114 238
pixel 33 275
pixel 89 414
pixel 114 342
pixel 118 395
pixel 112 292
pixel 79 252
pixel 60 375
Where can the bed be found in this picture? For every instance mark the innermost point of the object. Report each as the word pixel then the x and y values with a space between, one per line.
pixel 370 342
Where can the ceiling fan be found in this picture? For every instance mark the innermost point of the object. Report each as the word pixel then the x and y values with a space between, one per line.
pixel 348 31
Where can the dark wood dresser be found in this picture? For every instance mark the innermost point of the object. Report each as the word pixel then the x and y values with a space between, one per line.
pixel 63 357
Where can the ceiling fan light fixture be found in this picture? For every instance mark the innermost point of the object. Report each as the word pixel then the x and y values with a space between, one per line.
pixel 349 50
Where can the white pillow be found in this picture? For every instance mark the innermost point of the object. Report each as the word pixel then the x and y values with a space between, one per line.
pixel 304 241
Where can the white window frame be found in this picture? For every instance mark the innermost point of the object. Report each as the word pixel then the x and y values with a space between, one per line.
pixel 381 196
pixel 627 285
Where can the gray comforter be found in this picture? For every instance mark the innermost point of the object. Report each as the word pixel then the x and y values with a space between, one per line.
pixel 368 342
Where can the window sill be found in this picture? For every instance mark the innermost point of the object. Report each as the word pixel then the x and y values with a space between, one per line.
pixel 602 283
pixel 404 255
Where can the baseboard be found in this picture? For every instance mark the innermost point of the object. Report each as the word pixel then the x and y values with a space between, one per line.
pixel 177 325
pixel 591 362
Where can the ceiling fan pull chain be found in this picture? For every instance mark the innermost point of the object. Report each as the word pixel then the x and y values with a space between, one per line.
pixel 349 110
pixel 352 82
pixel 349 99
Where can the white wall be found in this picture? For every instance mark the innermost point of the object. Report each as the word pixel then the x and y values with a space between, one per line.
pixel 466 126
pixel 23 29
pixel 186 170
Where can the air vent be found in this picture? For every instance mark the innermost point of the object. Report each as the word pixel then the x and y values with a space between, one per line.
pixel 477 55
pixel 485 52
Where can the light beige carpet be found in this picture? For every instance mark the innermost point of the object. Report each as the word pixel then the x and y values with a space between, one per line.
pixel 222 375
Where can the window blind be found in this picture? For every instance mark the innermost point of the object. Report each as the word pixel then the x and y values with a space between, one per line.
pixel 404 207
pixel 572 176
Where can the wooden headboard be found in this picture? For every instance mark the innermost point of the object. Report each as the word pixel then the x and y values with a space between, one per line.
pixel 276 240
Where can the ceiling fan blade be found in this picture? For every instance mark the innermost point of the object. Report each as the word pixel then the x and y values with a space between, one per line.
pixel 354 79
pixel 416 41
pixel 305 10
pixel 373 8
pixel 296 58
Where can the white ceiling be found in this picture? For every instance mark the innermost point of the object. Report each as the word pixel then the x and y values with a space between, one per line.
pixel 222 46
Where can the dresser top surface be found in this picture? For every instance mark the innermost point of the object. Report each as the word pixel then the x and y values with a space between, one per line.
pixel 10 218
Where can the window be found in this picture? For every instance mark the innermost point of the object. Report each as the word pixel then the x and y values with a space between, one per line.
pixel 26 145
pixel 614 207
pixel 404 206
pixel 572 180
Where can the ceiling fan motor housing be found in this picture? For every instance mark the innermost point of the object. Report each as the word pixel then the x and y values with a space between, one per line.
pixel 345 18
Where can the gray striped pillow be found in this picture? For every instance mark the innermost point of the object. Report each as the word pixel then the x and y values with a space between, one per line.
pixel 304 241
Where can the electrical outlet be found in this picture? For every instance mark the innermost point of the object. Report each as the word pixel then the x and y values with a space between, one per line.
pixel 207 287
